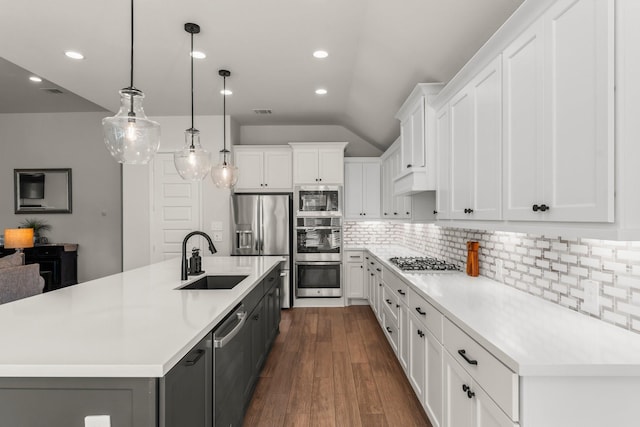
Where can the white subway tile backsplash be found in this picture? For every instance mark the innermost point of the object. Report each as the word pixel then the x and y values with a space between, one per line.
pixel 546 266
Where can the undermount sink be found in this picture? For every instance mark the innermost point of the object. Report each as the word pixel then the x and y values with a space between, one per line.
pixel 215 282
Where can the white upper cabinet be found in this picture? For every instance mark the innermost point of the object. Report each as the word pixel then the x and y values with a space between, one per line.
pixel 393 206
pixel 417 159
pixel 318 163
pixel 362 188
pixel 263 168
pixel 476 147
pixel 443 147
pixel 558 98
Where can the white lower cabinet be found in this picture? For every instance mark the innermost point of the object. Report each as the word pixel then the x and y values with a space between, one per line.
pixel 356 285
pixel 466 404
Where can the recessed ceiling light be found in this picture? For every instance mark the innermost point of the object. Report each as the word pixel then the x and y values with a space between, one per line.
pixel 321 91
pixel 198 55
pixel 226 92
pixel 320 54
pixel 74 55
pixel 35 79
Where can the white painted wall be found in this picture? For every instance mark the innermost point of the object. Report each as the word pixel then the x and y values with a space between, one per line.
pixel 279 135
pixel 136 189
pixel 68 140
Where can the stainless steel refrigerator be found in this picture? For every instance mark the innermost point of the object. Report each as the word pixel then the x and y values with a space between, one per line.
pixel 261 225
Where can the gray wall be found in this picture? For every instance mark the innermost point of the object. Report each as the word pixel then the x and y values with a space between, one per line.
pixel 68 140
pixel 279 135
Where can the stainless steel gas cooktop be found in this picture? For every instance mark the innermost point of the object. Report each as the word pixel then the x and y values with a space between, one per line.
pixel 427 264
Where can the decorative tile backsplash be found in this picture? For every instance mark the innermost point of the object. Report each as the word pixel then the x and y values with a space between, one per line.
pixel 549 267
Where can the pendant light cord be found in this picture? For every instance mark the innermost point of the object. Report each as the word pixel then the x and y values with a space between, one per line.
pixel 131 113
pixel 224 120
pixel 192 113
pixel 131 85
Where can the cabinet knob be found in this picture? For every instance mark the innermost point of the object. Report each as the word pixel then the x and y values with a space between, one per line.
pixel 465 387
pixel 266 185
pixel 408 213
pixel 388 301
pixel 541 208
pixel 435 212
pixel 320 179
pixel 470 394
pixel 468 211
pixel 364 213
pixel 420 333
pixel 385 213
pixel 360 213
pixel 408 166
pixel 395 213
pixel 389 330
pixel 535 208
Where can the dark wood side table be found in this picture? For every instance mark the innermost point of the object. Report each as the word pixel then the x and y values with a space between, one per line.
pixel 58 263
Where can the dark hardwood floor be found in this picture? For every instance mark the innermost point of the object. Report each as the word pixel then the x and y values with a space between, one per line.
pixel 333 367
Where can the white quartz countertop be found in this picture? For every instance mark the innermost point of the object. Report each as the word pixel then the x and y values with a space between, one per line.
pixel 533 337
pixel 132 324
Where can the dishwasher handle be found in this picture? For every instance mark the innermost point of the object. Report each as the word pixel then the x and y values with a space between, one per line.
pixel 222 341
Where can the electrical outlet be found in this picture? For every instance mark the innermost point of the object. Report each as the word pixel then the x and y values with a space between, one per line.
pixel 217 236
pixel 499 270
pixel 97 421
pixel 591 302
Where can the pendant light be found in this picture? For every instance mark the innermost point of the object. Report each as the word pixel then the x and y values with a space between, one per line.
pixel 130 136
pixel 224 174
pixel 192 162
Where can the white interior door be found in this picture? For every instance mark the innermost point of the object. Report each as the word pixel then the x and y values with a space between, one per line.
pixel 175 209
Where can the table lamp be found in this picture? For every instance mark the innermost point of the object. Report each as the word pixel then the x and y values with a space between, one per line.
pixel 18 238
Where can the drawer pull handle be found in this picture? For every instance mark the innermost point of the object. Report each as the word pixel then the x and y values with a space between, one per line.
pixel 422 313
pixel 463 353
pixel 354 256
pixel 401 292
pixel 198 354
pixel 389 330
pixel 388 301
pixel 377 269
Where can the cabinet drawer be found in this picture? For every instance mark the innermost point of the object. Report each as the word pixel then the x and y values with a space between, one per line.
pixel 390 301
pixel 397 285
pixel 495 378
pixel 390 327
pixel 354 256
pixel 426 313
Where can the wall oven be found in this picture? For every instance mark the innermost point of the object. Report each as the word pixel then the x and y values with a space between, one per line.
pixel 318 200
pixel 318 256
pixel 318 239
pixel 318 279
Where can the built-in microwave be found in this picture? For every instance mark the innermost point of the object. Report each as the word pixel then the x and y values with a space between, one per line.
pixel 318 200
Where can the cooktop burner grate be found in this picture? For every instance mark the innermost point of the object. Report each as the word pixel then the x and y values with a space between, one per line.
pixel 423 264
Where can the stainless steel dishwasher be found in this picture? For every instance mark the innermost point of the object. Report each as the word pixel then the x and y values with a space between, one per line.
pixel 230 352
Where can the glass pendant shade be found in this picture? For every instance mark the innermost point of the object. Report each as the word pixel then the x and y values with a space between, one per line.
pixel 224 174
pixel 130 136
pixel 193 162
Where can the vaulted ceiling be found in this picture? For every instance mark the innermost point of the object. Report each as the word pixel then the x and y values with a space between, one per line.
pixel 378 51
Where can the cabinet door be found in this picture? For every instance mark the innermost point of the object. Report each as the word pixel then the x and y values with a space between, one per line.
pixel 487 143
pixel 257 325
pixel 433 399
pixel 387 188
pixel 186 390
pixel 522 73
pixel 404 207
pixel 418 156
pixel 442 154
pixel 305 166
pixel 277 170
pixel 330 166
pixel 353 196
pixel 579 92
pixel 458 407
pixel 486 413
pixel 396 169
pixel 462 135
pixel 406 144
pixel 417 358
pixel 355 281
pixel 404 354
pixel 370 190
pixel 250 171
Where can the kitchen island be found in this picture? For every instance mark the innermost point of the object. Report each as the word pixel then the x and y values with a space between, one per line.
pixel 110 342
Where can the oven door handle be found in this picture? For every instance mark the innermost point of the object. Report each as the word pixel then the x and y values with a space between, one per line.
pixel 319 263
pixel 335 227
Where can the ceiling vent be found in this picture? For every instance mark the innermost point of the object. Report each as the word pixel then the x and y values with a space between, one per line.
pixel 262 111
pixel 52 90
